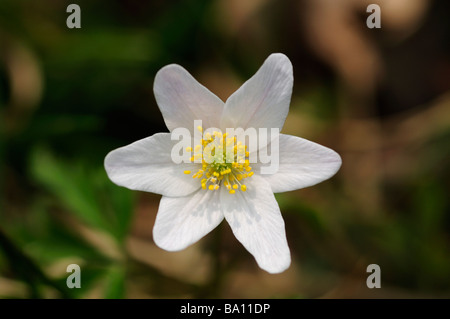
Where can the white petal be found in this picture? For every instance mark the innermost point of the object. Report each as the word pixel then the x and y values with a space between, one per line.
pixel 302 163
pixel 182 99
pixel 256 221
pixel 181 221
pixel 262 101
pixel 146 165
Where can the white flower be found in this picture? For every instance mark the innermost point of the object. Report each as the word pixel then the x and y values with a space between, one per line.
pixel 190 208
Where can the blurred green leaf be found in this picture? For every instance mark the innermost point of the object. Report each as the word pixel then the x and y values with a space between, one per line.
pixel 115 283
pixel 27 269
pixel 91 275
pixel 87 193
pixel 307 213
pixel 119 203
pixel 60 243
pixel 70 184
pixel 106 47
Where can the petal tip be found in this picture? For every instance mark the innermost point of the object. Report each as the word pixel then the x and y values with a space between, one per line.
pixel 169 70
pixel 277 267
pixel 165 244
pixel 280 59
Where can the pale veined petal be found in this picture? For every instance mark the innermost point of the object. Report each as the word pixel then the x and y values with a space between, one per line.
pixel 302 163
pixel 181 221
pixel 256 221
pixel 146 165
pixel 182 99
pixel 262 101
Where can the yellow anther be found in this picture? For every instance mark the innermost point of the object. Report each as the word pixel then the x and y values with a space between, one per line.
pixel 198 174
pixel 213 169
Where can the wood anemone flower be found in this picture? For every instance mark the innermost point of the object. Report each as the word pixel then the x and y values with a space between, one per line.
pixel 198 194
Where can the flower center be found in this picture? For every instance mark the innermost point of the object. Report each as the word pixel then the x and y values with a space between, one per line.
pixel 224 162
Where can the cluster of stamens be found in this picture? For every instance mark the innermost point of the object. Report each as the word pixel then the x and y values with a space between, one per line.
pixel 224 162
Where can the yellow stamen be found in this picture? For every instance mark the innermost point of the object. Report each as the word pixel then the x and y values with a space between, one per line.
pixel 218 164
